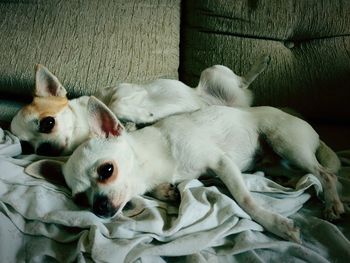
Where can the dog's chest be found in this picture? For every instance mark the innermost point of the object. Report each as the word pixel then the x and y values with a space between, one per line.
pixel 155 158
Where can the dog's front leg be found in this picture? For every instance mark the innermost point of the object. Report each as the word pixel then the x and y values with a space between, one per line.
pixel 231 175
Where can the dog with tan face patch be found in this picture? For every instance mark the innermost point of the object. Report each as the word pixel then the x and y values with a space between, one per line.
pixel 54 125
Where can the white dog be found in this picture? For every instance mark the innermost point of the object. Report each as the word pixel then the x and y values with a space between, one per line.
pixel 54 125
pixel 115 165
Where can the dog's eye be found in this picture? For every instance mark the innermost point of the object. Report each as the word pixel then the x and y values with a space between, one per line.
pixel 46 124
pixel 105 171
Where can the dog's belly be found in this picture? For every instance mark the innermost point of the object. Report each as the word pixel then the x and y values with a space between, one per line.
pixel 198 139
pixel 239 139
pixel 245 161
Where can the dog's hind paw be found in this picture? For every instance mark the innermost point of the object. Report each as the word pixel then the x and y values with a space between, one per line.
pixel 294 235
pixel 130 126
pixel 334 210
pixel 288 231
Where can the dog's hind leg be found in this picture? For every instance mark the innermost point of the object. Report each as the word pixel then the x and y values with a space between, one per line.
pixel 307 161
pixel 258 67
pixel 300 147
pixel 328 158
pixel 219 85
pixel 230 174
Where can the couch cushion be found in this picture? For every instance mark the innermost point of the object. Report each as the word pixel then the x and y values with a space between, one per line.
pixel 87 44
pixel 308 41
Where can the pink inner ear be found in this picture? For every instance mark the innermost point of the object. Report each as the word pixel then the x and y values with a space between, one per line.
pixel 52 87
pixel 110 127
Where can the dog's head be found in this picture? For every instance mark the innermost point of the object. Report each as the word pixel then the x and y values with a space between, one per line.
pixel 102 168
pixel 46 124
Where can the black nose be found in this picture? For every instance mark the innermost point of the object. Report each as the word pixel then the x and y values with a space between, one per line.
pixel 48 149
pixel 103 207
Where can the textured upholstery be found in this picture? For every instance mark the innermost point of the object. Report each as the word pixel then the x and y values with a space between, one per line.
pixel 86 44
pixel 89 44
pixel 309 44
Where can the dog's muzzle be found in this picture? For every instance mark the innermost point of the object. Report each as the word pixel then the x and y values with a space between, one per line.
pixel 103 207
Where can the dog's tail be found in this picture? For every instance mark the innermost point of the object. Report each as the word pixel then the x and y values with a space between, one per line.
pixel 328 158
pixel 219 85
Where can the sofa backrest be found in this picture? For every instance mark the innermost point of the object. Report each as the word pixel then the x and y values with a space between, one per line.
pixel 86 44
pixel 308 41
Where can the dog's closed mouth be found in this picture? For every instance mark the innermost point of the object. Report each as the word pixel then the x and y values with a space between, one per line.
pixel 132 210
pixel 128 206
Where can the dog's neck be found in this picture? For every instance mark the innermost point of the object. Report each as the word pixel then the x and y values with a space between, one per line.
pixel 153 160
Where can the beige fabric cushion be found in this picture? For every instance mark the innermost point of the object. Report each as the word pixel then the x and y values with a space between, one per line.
pixel 87 44
pixel 309 44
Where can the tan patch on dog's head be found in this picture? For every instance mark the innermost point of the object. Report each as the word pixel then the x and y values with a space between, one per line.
pixel 46 106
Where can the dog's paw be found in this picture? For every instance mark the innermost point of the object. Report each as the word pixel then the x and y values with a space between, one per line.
pixel 170 192
pixel 334 210
pixel 287 230
pixel 166 192
pixel 130 126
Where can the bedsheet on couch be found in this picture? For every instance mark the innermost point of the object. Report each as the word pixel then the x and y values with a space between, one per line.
pixel 39 222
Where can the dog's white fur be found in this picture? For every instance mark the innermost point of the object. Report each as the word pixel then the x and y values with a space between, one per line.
pixel 130 102
pixel 222 139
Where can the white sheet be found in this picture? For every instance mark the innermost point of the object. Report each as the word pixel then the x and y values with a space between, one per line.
pixel 39 222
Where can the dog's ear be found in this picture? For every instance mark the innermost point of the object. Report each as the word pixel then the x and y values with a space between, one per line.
pixel 46 84
pixel 102 121
pixel 49 170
